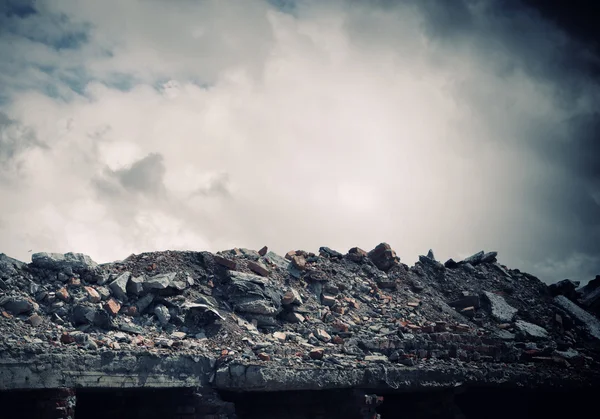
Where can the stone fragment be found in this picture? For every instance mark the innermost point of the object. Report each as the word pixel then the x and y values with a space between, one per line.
pixel 499 308
pixel 262 307
pixel 19 305
pixel 376 358
pixel 316 353
pixel 92 294
pixel 427 261
pixel 119 286
pixel 467 301
pixel 66 338
pixel 323 336
pixel 112 307
pixel 328 300
pixel 178 335
pixel 531 330
pixel 227 263
pixel 565 287
pixel 356 254
pixel 299 262
pixel 474 259
pixel 330 253
pixel 468 312
pixel 62 294
pixel 489 257
pixel 104 293
pixel 135 285
pixel 58 261
pixel 384 257
pixel 35 320
pixel 589 322
pixel 162 314
pixel 263 251
pixel 294 318
pixel 258 268
pixel 469 268
pixel 280 336
pixel 451 264
pixel 263 356
pixel 430 254
pixel 292 297
pixel 159 282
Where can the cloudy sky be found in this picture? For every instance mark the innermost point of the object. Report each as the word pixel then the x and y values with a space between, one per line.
pixel 138 125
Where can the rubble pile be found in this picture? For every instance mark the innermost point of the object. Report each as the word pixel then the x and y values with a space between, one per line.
pixel 257 311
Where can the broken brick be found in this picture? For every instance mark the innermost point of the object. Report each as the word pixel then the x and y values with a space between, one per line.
pixel 316 353
pixel 290 254
pixel 63 294
pixel 258 268
pixel 112 306
pixel 35 320
pixel 299 262
pixel 66 338
pixel 263 356
pixel 263 251
pixel 92 294
pixel 227 263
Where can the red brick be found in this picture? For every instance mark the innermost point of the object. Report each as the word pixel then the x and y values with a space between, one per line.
pixel 338 340
pixel 290 254
pixel 66 338
pixel 74 281
pixel 228 263
pixel 258 268
pixel 93 295
pixel 63 294
pixel 112 306
pixel 299 262
pixel 263 356
pixel 316 353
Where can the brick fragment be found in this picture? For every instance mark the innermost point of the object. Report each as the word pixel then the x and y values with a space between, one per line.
pixel 263 251
pixel 63 294
pixel 258 268
pixel 35 320
pixel 316 353
pixel 112 306
pixel 92 294
pixel 228 263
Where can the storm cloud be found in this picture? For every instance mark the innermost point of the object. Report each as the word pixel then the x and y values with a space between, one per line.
pixel 130 126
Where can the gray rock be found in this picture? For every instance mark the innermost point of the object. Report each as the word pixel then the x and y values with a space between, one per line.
pixel 104 293
pixel 499 308
pixel 277 260
pixel 384 257
pixel 474 259
pixel 430 254
pixel 469 268
pixel 83 315
pixel 531 330
pixel 19 305
pixel 9 267
pixel 591 323
pixel 262 307
pixel 500 269
pixel 119 286
pixel 135 285
pixel 427 261
pixel 144 302
pixel 159 282
pixel 59 261
pixel 489 257
pixel 162 314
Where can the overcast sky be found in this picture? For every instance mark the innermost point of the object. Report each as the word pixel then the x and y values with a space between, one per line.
pixel 139 125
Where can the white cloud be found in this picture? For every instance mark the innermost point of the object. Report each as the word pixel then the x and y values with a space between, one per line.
pixel 337 128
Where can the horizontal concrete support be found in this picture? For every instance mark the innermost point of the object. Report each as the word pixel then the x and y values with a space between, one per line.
pixel 104 371
pixel 260 378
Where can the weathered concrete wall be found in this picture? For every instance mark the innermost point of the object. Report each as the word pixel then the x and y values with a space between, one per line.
pixel 107 370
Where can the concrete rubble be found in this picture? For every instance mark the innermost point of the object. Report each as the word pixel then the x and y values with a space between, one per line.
pixel 257 321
